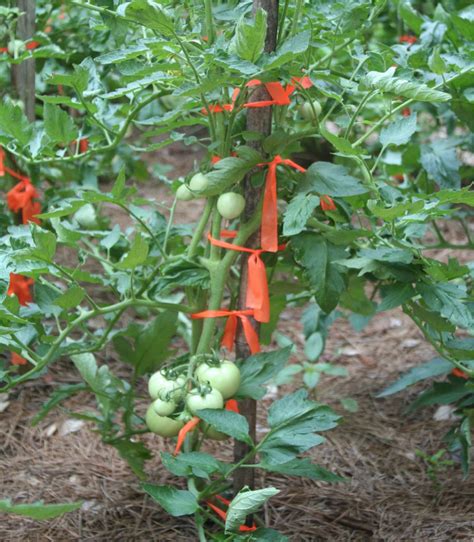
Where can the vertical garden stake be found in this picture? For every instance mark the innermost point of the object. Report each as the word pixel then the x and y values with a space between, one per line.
pixel 24 73
pixel 258 120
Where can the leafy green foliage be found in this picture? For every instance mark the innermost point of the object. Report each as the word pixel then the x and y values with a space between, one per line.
pixel 38 510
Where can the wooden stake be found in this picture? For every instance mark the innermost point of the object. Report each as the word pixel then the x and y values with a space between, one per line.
pixel 258 120
pixel 24 73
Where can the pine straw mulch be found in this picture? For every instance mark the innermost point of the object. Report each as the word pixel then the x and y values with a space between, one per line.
pixel 387 495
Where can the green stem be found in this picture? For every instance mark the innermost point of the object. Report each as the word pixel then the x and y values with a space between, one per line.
pixel 197 236
pixel 209 22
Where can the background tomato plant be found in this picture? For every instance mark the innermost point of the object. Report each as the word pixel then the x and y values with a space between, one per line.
pixel 396 114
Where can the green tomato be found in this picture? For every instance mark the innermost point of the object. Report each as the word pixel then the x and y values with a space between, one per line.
pixel 184 194
pixel 224 377
pixel 165 388
pixel 16 48
pixel 198 182
pixel 307 111
pixel 230 205
pixel 198 401
pixel 86 217
pixel 163 408
pixel 162 425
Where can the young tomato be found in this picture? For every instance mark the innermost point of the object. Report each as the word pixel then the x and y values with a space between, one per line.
pixel 168 389
pixel 184 194
pixel 230 205
pixel 162 425
pixel 163 408
pixel 311 110
pixel 198 182
pixel 197 400
pixel 224 377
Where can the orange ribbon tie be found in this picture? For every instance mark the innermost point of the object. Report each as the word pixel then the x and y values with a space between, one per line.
pixel 269 227
pixel 21 198
pixel 257 297
pixel 230 329
pixel 190 426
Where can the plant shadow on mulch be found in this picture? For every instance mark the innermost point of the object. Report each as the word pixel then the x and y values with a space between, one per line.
pixel 387 495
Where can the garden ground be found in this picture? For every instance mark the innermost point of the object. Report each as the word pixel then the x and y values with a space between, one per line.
pixel 388 495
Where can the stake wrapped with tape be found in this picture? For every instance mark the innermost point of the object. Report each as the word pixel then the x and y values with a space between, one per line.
pixel 257 297
pixel 230 329
pixel 269 227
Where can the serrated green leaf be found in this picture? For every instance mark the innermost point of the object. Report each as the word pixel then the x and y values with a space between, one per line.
pixel 14 123
pixel 430 369
pixel 298 211
pixel 249 38
pixel 38 510
pixel 58 125
pixel 176 502
pixel 137 254
pixel 303 468
pixel 71 298
pixel 330 179
pixel 150 14
pixel 227 422
pixel 399 132
pixel 247 502
pixel 387 82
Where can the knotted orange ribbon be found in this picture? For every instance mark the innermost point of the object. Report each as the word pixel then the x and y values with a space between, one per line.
pixel 28 46
pixel 279 95
pixel 257 297
pixel 407 38
pixel 269 227
pixel 190 426
pixel 327 203
pixel 230 329
pixel 20 286
pixel 231 405
pixel 22 198
pixel 223 515
pixel 460 374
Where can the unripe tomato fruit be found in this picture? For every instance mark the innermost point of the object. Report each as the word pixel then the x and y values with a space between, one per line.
pixel 230 205
pixel 224 377
pixel 163 408
pixel 307 111
pixel 198 182
pixel 162 425
pixel 86 217
pixel 167 389
pixel 16 48
pixel 198 401
pixel 184 194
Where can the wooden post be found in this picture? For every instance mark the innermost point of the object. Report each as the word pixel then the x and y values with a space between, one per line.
pixel 24 73
pixel 258 120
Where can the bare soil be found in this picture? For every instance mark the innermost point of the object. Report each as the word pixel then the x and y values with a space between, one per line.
pixel 387 495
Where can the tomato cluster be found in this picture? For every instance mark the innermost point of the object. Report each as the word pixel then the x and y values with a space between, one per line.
pixel 176 399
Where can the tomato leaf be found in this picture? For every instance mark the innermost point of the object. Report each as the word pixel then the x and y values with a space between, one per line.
pixel 247 502
pixel 38 510
pixel 176 502
pixel 430 369
pixel 332 180
pixel 225 421
pixel 387 82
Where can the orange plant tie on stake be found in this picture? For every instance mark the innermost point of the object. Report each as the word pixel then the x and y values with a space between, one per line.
pixel 327 204
pixel 230 329
pixel 223 515
pixel 460 374
pixel 257 292
pixel 269 227
pixel 190 426
pixel 232 406
pixel 20 286
pixel 22 198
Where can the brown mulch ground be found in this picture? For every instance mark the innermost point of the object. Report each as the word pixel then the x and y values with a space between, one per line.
pixel 387 496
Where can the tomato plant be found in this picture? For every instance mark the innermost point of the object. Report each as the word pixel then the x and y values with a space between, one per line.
pixel 386 128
